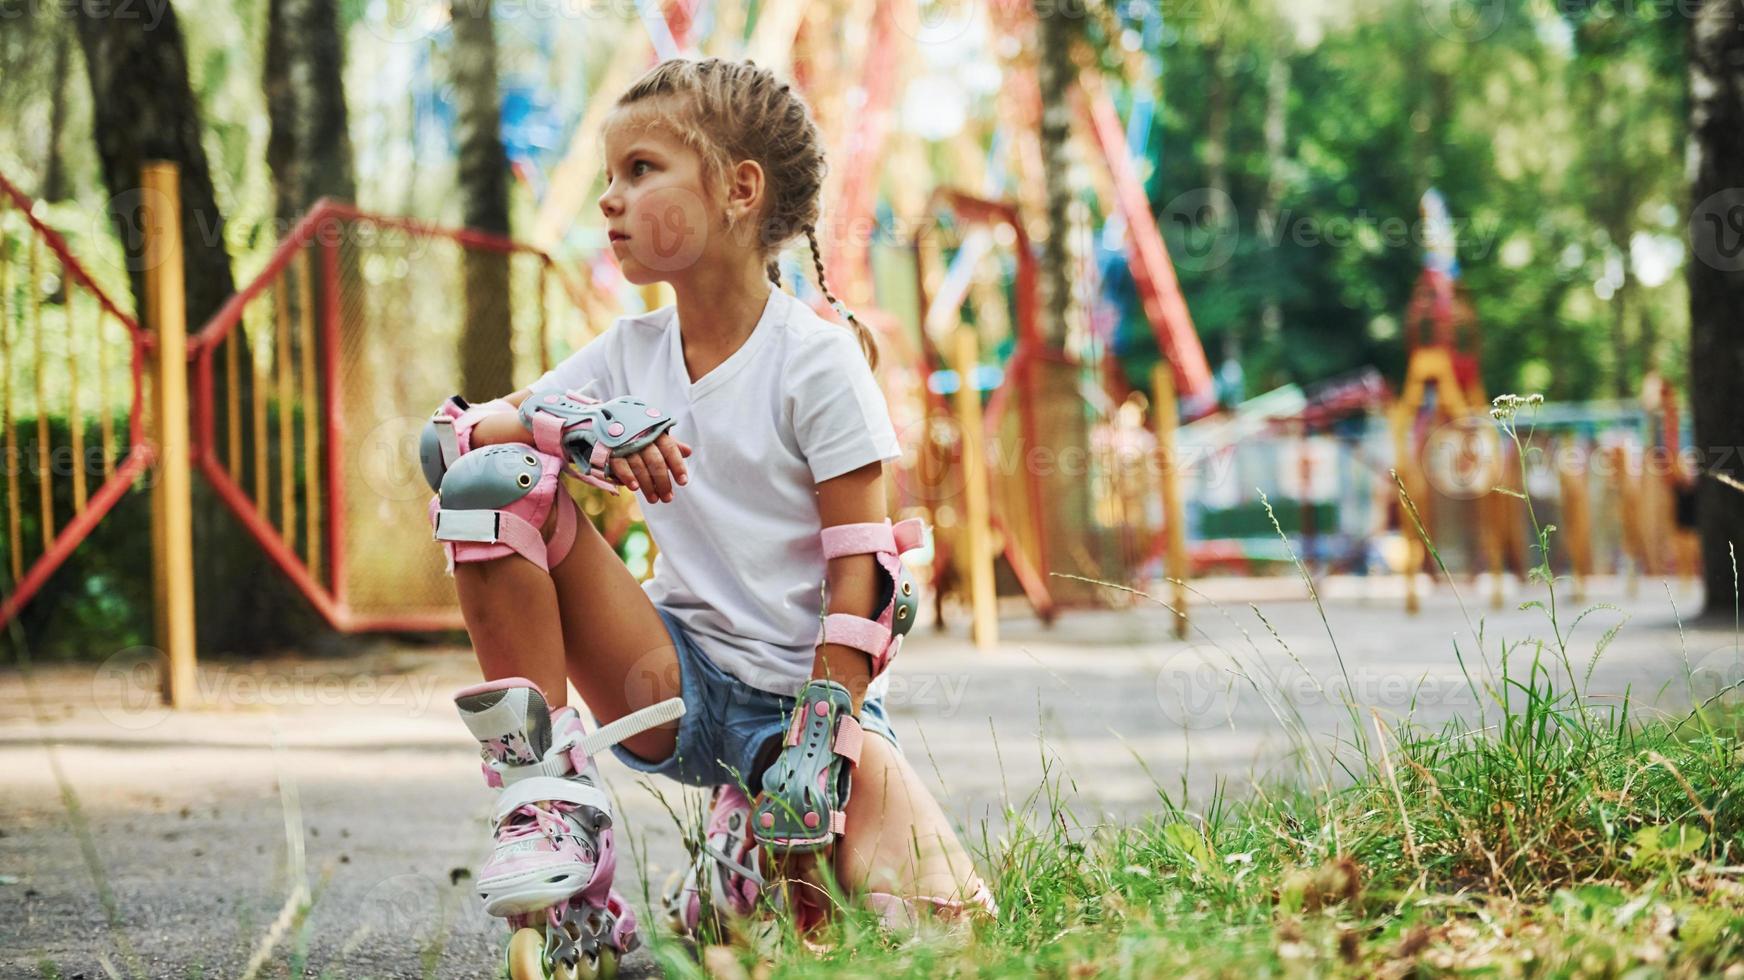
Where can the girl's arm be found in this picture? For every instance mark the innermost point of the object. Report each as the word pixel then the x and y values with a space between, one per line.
pixel 854 497
pixel 657 468
pixel 501 427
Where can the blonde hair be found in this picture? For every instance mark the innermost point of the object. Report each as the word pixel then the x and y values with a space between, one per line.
pixel 730 111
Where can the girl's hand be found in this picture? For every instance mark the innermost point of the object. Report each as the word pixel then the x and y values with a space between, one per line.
pixel 654 469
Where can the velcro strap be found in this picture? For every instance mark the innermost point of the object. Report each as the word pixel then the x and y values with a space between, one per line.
pixel 798 723
pixel 839 822
pixel 855 539
pixel 446 439
pixel 554 764
pixel 454 425
pixel 635 723
pixel 543 789
pixel 492 527
pixel 563 538
pixel 855 631
pixel 909 534
pixel 547 433
pixel 873 536
pixel 849 735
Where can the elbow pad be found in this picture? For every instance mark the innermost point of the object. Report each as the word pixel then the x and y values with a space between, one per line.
pixel 880 636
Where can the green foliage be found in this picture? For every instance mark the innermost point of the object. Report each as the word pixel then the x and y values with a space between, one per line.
pixel 1555 139
pixel 1553 829
pixel 99 600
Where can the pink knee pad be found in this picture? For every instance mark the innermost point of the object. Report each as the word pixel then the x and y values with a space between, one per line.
pixel 493 502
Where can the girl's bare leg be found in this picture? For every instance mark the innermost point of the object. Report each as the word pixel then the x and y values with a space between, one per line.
pixel 510 609
pixel 898 840
pixel 620 656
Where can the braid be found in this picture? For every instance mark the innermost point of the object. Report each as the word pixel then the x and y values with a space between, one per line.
pixel 735 110
pixel 868 346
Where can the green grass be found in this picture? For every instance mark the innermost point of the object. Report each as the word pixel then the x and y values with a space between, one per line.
pixel 1555 834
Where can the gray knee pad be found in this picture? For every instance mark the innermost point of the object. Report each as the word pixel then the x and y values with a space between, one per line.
pixel 447 434
pixel 493 501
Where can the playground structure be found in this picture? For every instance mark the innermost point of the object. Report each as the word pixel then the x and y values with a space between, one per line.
pixel 297 410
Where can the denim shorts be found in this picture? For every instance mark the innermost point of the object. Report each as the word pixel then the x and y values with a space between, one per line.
pixel 726 721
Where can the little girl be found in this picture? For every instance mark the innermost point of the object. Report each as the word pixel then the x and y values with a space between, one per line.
pixel 757 435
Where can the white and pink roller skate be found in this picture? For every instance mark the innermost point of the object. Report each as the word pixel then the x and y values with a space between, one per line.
pixel 725 880
pixel 551 871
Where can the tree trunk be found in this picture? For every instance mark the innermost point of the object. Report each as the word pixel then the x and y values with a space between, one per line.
pixel 486 364
pixel 1062 425
pixel 1217 171
pixel 281 113
pixel 54 172
pixel 143 109
pixel 1715 275
pixel 1054 71
pixel 1276 134
pixel 309 149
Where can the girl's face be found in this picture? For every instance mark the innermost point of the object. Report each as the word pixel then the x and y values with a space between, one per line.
pixel 656 206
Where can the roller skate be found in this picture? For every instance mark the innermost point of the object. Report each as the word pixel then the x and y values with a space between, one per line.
pixel 725 880
pixel 551 871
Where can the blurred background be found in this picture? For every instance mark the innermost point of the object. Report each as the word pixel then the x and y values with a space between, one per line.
pixel 1162 290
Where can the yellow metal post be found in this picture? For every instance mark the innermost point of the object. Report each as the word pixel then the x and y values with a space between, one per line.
pixel 255 343
pixel 233 404
pixel 1168 419
pixel 978 523
pixel 105 416
pixel 14 533
pixel 311 418
pixel 1405 466
pixel 282 395
pixel 75 418
pixel 167 318
pixel 44 478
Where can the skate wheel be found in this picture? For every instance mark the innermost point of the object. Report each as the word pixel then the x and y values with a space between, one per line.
pixel 602 964
pixel 526 960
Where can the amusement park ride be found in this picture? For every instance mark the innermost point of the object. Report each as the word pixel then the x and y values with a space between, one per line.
pixel 943 271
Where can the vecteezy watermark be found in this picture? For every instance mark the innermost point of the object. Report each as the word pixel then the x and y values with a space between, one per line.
pixel 125 215
pixel 1196 687
pixel 1717 678
pixel 1205 230
pixel 1364 229
pixel 1462 459
pixel 667 232
pixel 935 21
pixel 1205 226
pixel 1203 686
pixel 402 912
pixel 149 12
pixel 1463 20
pixel 1716 230
pixel 414 21
pixel 128 688
pixel 386 458
pixel 937 694
pixel 1204 465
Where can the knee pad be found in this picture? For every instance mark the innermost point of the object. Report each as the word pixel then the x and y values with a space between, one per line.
pixel 880 636
pixel 493 501
pixel 447 435
pixel 589 432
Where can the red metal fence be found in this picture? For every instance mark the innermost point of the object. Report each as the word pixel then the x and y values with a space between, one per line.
pixel 61 333
pixel 309 388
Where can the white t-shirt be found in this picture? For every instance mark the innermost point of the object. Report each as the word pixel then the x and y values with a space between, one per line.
pixel 740 562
